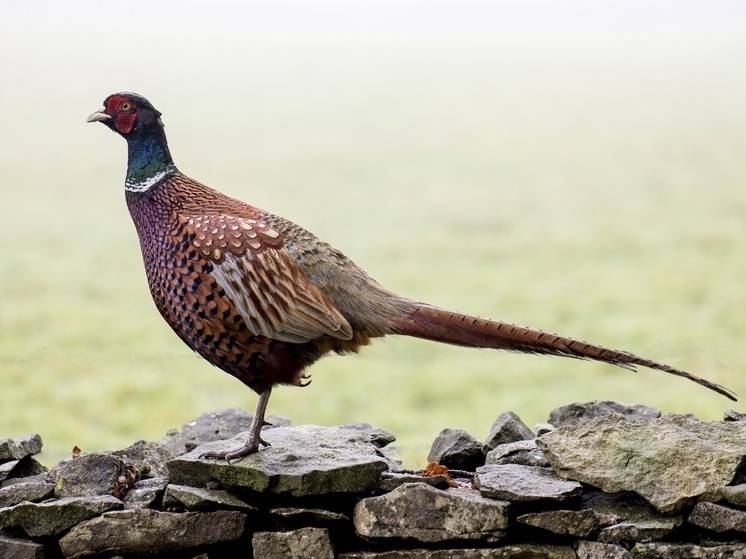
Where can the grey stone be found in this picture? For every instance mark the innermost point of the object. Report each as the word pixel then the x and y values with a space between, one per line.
pixel 734 494
pixel 31 491
pixel 578 523
pixel 733 415
pixel 148 458
pixel 6 468
pixel 44 476
pixel 303 460
pixel 639 521
pixel 514 482
pixel 19 447
pixel 455 448
pixel 90 474
pixel 516 551
pixel 580 412
pixel 17 548
pixel 688 551
pixel 298 544
pixel 542 428
pixel 214 426
pixel 598 550
pixel 53 517
pixel 668 461
pixel 198 498
pixel 145 493
pixel 718 518
pixel 308 516
pixel 15 469
pixel 525 453
pixel 145 531
pixel 379 437
pixel 417 511
pixel 392 480
pixel 507 428
pixel 627 506
pixel 640 530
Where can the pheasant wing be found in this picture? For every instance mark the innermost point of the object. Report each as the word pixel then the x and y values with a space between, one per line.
pixel 273 296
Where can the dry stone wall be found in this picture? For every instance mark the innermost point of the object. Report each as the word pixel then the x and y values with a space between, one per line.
pixel 602 481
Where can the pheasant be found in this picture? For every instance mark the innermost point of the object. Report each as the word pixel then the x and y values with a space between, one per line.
pixel 262 298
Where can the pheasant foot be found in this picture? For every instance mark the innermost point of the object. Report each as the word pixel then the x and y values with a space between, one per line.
pixel 253 441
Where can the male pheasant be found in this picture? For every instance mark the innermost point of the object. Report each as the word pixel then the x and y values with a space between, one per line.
pixel 262 298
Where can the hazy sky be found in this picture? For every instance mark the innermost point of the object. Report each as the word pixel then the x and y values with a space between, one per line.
pixel 533 21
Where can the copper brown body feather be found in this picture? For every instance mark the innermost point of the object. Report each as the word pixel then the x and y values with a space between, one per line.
pixel 262 298
pixel 235 284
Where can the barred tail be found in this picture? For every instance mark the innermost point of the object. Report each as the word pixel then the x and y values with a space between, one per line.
pixel 432 323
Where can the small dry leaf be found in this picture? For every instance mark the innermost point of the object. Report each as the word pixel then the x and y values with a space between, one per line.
pixel 435 469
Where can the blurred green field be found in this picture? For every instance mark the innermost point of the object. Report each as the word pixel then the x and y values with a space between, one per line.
pixel 596 190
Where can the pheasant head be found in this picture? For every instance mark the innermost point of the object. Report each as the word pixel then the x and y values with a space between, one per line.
pixel 126 113
pixel 136 119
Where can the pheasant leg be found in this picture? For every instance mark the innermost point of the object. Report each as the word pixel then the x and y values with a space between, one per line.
pixel 254 439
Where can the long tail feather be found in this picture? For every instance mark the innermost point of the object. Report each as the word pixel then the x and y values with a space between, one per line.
pixel 432 323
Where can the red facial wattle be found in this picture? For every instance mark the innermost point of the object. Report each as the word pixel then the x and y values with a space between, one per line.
pixel 124 120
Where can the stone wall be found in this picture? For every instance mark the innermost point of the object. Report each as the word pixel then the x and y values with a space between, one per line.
pixel 601 480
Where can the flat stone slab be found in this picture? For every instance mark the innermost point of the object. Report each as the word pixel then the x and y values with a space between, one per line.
pixel 578 523
pixel 199 498
pixel 17 548
pixel 733 415
pixel 214 426
pixel 6 468
pixel 455 448
pixel 718 518
pixel 392 480
pixel 90 474
pixel 303 460
pixel 146 493
pixel 525 453
pixel 144 531
pixel 507 428
pixel 149 458
pixel 31 491
pixel 640 530
pixel 638 520
pixel 734 494
pixel 298 544
pixel 518 551
pixel 379 437
pixel 580 412
pixel 668 461
pixel 17 448
pixel 598 550
pixel 417 511
pixel 15 469
pixel 53 517
pixel 44 476
pixel 688 551
pixel 302 517
pixel 514 482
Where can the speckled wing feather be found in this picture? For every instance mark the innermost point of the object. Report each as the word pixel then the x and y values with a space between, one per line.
pixel 273 296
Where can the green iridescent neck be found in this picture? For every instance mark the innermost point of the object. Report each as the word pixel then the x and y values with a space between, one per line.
pixel 149 159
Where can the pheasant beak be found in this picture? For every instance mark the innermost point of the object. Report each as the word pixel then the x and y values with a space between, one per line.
pixel 98 116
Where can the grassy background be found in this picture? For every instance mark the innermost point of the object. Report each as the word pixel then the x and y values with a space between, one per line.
pixel 577 168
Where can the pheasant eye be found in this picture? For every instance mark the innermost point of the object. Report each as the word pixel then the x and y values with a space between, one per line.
pixel 125 106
